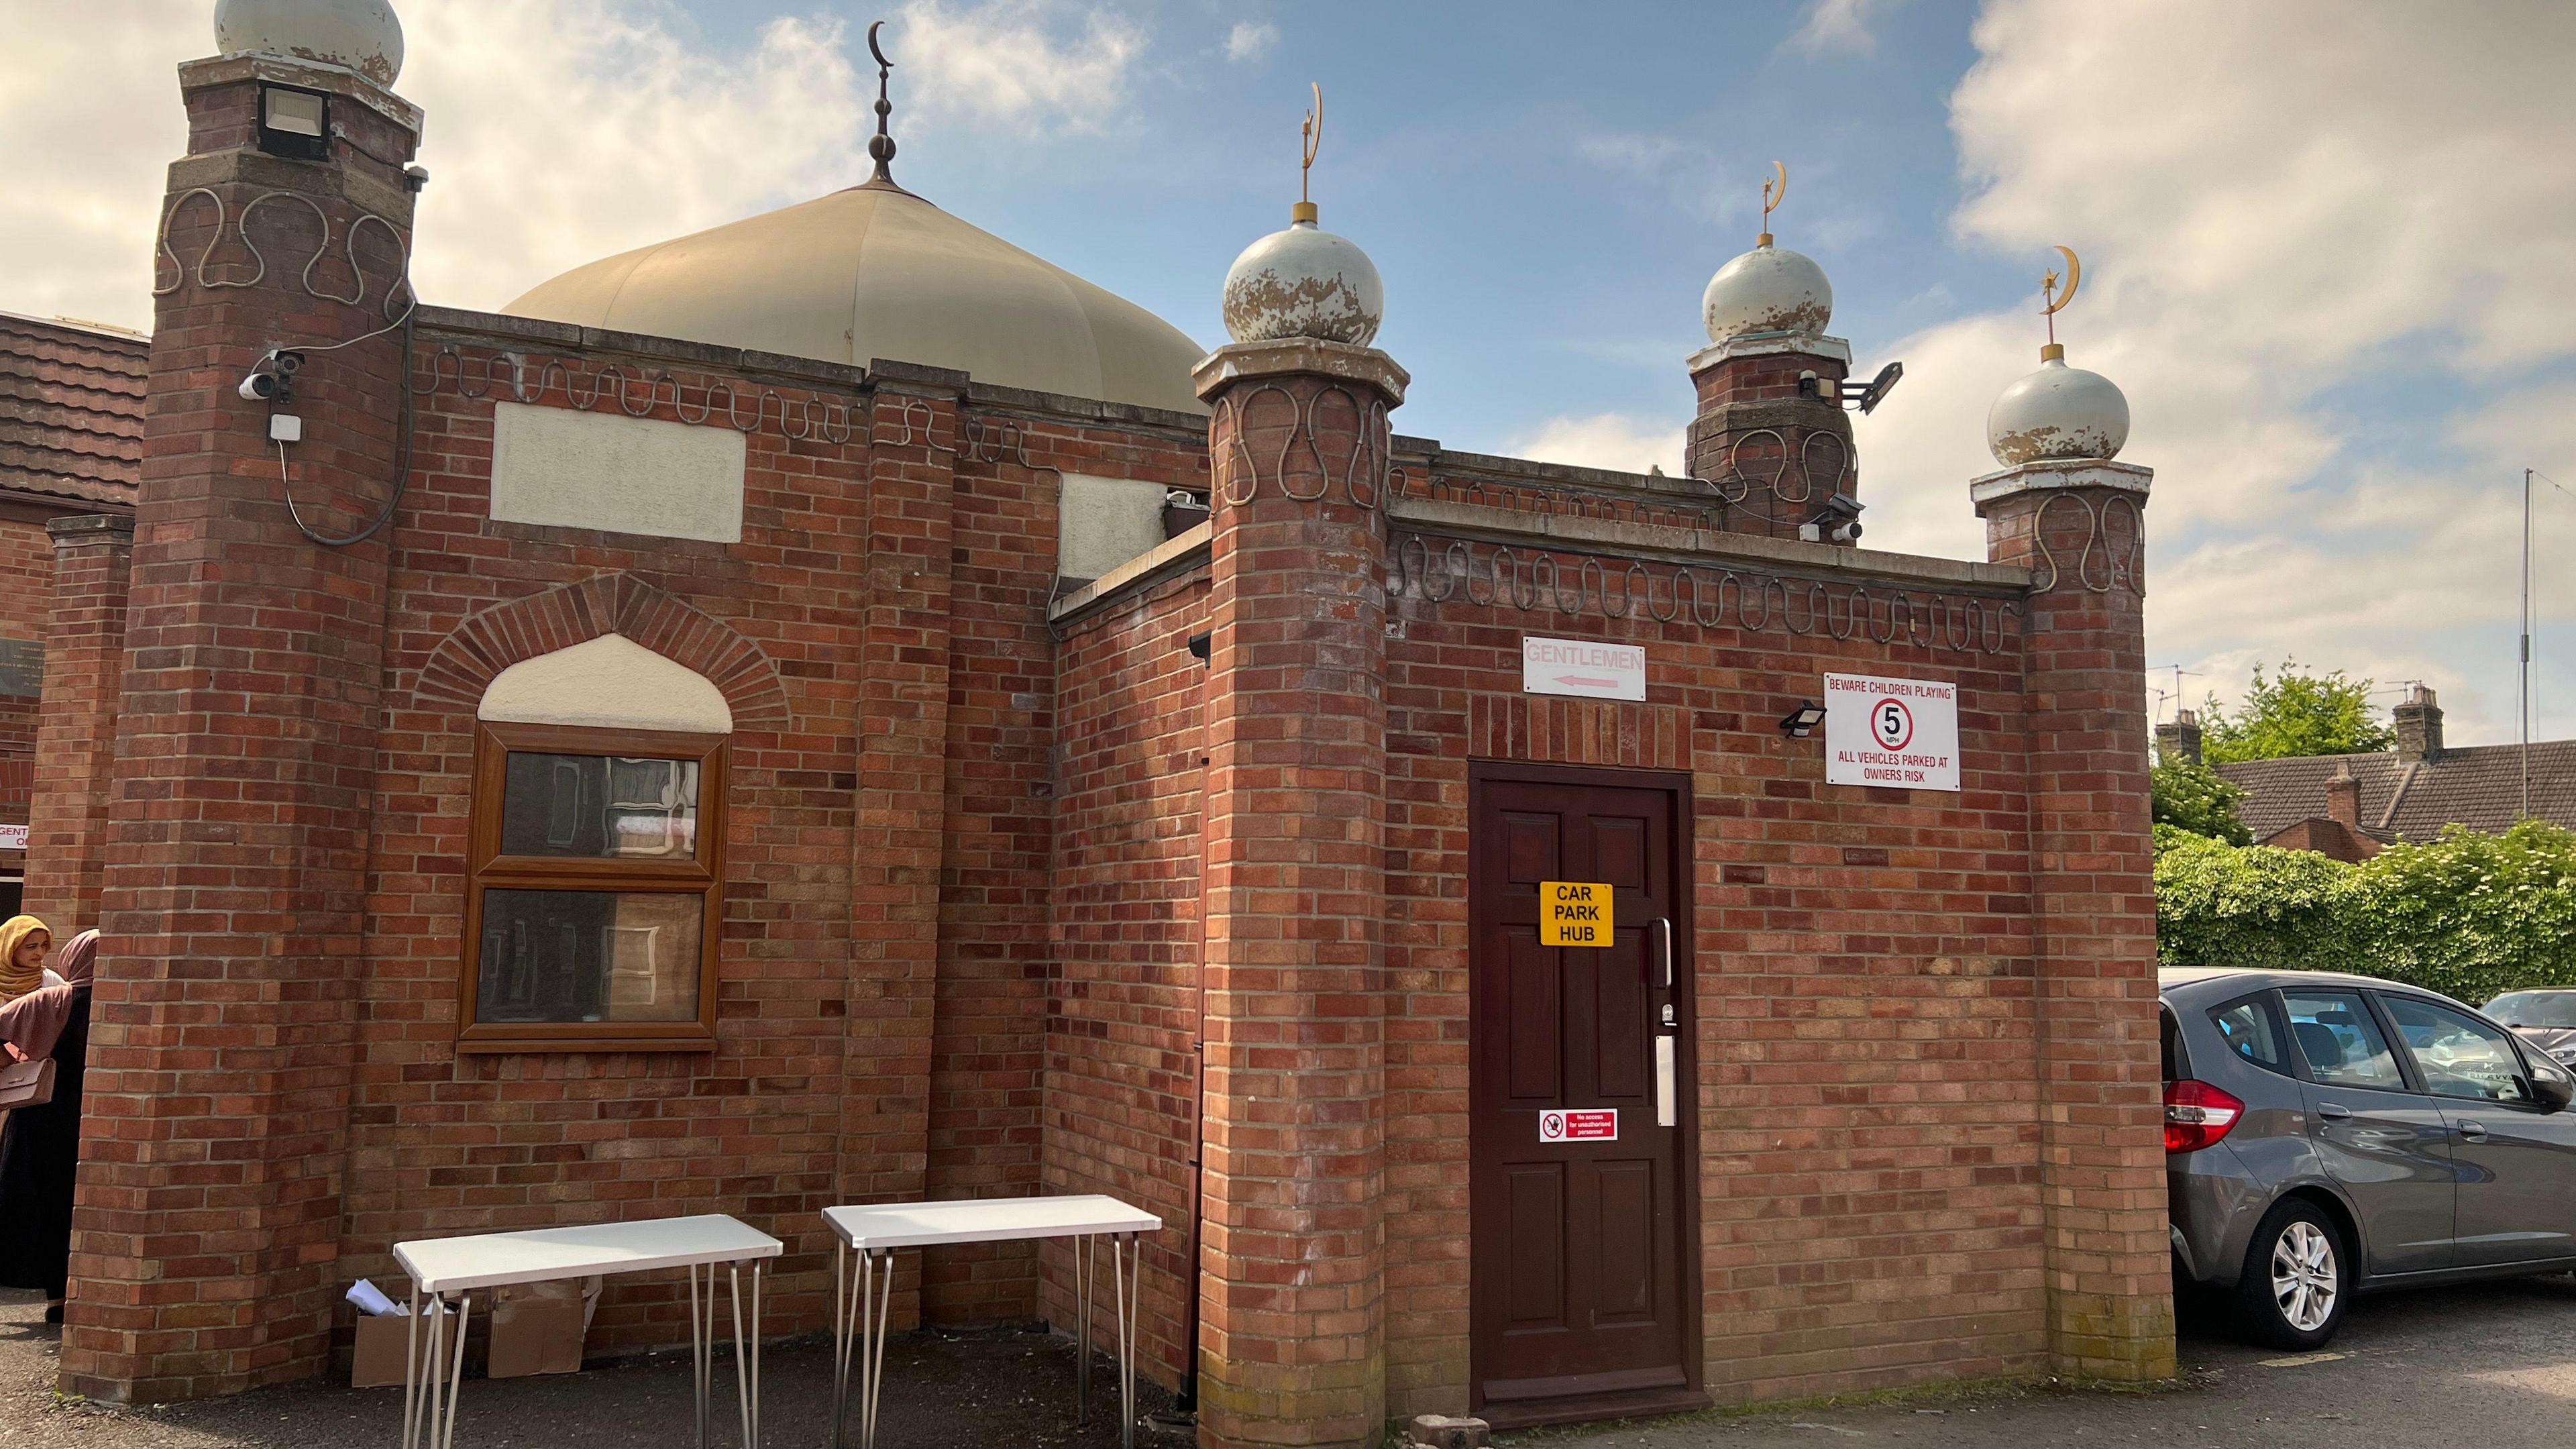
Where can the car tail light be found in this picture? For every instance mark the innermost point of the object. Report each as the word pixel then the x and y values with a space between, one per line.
pixel 2197 1115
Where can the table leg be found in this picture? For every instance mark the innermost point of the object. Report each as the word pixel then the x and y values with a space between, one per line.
pixel 746 1354
pixel 701 1344
pixel 1083 1261
pixel 876 1311
pixel 840 1346
pixel 411 1373
pixel 446 1439
pixel 1127 1263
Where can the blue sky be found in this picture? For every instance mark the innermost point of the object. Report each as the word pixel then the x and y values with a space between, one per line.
pixel 2330 244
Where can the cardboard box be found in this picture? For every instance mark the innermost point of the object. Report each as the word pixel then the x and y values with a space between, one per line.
pixel 537 1328
pixel 382 1343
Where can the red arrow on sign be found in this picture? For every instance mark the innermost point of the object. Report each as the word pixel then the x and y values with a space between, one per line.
pixel 1587 679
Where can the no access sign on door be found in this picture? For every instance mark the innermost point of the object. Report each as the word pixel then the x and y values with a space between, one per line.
pixel 1891 732
pixel 1584 1124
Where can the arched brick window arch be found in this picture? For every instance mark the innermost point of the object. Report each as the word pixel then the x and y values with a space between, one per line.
pixel 465 663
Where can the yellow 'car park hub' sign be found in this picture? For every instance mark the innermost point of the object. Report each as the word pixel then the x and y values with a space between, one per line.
pixel 1573 913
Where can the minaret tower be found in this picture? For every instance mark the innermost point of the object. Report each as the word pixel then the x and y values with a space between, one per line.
pixel 1292 1340
pixel 2062 508
pixel 1771 435
pixel 234 874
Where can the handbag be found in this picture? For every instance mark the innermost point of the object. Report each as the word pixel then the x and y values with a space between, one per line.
pixel 26 1084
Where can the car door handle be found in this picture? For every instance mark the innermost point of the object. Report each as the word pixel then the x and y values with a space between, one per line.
pixel 2333 1113
pixel 2472 1132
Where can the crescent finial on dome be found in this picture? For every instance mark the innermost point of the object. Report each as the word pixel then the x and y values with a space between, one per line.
pixel 1304 281
pixel 1775 189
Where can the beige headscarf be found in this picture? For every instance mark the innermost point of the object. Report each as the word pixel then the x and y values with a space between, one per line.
pixel 16 980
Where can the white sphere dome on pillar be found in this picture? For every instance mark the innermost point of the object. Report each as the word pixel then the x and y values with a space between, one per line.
pixel 359 35
pixel 2058 414
pixel 1769 289
pixel 1304 282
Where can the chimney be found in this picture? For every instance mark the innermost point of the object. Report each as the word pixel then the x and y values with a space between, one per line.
pixel 2181 739
pixel 2343 798
pixel 2419 726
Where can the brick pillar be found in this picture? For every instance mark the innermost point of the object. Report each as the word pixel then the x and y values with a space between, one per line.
pixel 220 1066
pixel 76 728
pixel 1774 439
pixel 1292 1339
pixel 2080 527
pixel 902 801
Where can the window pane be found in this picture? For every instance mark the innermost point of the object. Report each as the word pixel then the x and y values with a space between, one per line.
pixel 2337 1034
pixel 2459 1056
pixel 571 956
pixel 2246 1027
pixel 600 807
pixel 2535 1008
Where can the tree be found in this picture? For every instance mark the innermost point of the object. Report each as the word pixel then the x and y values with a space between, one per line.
pixel 2189 795
pixel 2294 713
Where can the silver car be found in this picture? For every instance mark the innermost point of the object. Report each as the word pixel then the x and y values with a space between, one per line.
pixel 2328 1135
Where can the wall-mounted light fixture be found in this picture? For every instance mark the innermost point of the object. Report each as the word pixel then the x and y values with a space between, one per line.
pixel 1801 722
pixel 294 122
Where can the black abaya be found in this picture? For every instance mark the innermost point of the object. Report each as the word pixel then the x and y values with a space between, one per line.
pixel 38 1152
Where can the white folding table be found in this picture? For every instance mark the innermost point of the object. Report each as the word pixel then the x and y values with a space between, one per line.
pixel 445 1268
pixel 875 1232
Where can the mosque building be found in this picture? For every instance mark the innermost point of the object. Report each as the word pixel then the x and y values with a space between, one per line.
pixel 836 709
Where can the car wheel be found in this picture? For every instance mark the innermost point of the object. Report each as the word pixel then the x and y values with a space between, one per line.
pixel 2297 1279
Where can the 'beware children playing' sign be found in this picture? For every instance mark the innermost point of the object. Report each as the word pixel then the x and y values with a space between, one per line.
pixel 1573 913
pixel 1897 732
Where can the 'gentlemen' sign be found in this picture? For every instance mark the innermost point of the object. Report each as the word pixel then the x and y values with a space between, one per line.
pixel 1573 913
pixel 1584 668
pixel 1895 732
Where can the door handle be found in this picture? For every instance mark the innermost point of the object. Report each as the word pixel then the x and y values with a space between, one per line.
pixel 1666 1113
pixel 1666 936
pixel 2333 1113
pixel 2472 1132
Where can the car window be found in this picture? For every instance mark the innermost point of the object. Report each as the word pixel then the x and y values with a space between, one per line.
pixel 2535 1008
pixel 2340 1040
pixel 2245 1024
pixel 2459 1055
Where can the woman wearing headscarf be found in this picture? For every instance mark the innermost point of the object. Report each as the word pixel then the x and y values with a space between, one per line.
pixel 24 940
pixel 40 1146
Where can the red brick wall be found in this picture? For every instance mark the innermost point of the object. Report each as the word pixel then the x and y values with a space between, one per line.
pixel 990 1043
pixel 26 607
pixel 1122 1041
pixel 84 673
pixel 443 1142
pixel 1869 1195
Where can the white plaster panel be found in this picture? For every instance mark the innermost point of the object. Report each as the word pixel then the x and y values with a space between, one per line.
pixel 1104 522
pixel 610 682
pixel 605 470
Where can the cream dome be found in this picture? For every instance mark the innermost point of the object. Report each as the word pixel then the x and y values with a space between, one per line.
pixel 1304 282
pixel 359 35
pixel 2058 413
pixel 1767 290
pixel 877 272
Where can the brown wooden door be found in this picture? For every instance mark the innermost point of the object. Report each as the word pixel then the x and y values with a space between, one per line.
pixel 1583 1281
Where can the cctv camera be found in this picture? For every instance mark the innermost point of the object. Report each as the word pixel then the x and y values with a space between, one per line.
pixel 1836 520
pixel 271 378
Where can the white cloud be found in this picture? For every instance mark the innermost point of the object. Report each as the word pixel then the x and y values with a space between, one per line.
pixel 1838 27
pixel 1625 442
pixel 2274 203
pixel 556 133
pixel 1033 66
pixel 1250 39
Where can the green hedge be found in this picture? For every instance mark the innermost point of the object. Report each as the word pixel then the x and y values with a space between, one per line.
pixel 2467 915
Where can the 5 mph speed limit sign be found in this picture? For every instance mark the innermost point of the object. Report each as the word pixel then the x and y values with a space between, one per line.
pixel 1901 733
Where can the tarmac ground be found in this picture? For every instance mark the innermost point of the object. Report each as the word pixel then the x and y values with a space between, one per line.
pixel 2492 1365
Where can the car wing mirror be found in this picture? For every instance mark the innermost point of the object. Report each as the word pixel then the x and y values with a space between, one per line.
pixel 2553 1089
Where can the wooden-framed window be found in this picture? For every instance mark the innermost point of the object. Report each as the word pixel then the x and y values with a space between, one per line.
pixel 595 890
